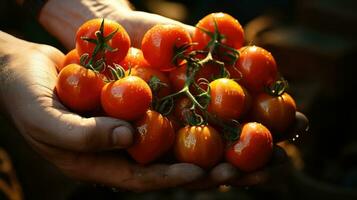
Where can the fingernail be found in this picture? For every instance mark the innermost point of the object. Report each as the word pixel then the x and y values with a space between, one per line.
pixel 122 137
pixel 185 172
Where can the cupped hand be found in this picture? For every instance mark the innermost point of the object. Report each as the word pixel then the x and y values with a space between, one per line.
pixel 74 144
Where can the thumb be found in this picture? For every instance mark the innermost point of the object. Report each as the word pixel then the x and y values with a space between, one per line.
pixel 70 131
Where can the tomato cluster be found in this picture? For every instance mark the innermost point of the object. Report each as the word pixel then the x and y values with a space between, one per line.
pixel 204 98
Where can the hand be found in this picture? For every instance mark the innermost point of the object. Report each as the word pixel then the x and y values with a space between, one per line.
pixel 72 143
pixel 225 173
pixel 62 18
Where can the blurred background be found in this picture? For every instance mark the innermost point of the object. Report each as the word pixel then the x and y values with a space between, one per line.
pixel 314 43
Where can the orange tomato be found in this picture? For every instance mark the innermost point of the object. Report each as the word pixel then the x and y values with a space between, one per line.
pixel 200 145
pixel 154 137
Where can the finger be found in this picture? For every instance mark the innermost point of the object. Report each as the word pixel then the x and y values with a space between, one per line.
pixel 112 169
pixel 220 174
pixel 299 127
pixel 275 168
pixel 52 124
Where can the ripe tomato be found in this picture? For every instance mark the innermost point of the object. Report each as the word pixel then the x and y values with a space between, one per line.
pixel 147 73
pixel 227 99
pixel 79 88
pixel 134 58
pixel 120 41
pixel 128 98
pixel 200 145
pixel 154 137
pixel 71 57
pixel 253 149
pixel 258 68
pixel 277 113
pixel 159 44
pixel 228 26
pixel 178 76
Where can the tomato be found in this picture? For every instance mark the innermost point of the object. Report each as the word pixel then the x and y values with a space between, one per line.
pixel 154 137
pixel 178 76
pixel 257 67
pixel 79 88
pixel 200 145
pixel 228 27
pixel 134 58
pixel 275 112
pixel 253 149
pixel 227 99
pixel 120 42
pixel 147 73
pixel 159 44
pixel 71 57
pixel 128 98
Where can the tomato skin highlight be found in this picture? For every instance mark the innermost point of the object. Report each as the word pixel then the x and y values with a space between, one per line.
pixel 71 57
pixel 120 41
pixel 254 148
pixel 128 98
pixel 227 26
pixel 79 88
pixel 276 113
pixel 200 145
pixel 257 68
pixel 154 137
pixel 227 99
pixel 159 43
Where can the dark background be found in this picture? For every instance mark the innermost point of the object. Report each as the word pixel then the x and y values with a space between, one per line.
pixel 314 44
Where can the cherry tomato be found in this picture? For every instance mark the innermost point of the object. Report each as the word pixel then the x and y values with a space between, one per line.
pixel 257 67
pixel 159 44
pixel 275 112
pixel 120 41
pixel 134 58
pixel 128 98
pixel 71 57
pixel 154 137
pixel 147 73
pixel 253 149
pixel 227 99
pixel 79 88
pixel 178 76
pixel 200 145
pixel 228 27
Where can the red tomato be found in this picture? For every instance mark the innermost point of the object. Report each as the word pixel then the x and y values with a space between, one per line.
pixel 178 76
pixel 120 41
pixel 200 145
pixel 147 73
pixel 134 58
pixel 277 113
pixel 254 148
pixel 228 26
pixel 71 57
pixel 154 137
pixel 128 98
pixel 79 88
pixel 159 43
pixel 227 99
pixel 258 68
